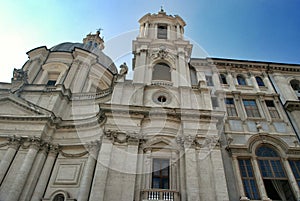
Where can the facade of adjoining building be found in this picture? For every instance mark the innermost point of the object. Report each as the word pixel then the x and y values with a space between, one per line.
pixel 72 127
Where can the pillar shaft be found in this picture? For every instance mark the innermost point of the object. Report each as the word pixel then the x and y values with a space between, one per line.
pixel 44 177
pixel 7 159
pixel 87 177
pixel 259 180
pixel 22 174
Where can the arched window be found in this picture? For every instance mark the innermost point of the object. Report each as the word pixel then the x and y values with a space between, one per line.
pixel 274 177
pixel 161 71
pixel 59 197
pixel 259 81
pixel 223 79
pixel 295 84
pixel 193 76
pixel 241 80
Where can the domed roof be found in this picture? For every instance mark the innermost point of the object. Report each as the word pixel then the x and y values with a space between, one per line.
pixel 102 58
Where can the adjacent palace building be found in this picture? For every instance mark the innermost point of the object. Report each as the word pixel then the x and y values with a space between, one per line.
pixel 73 128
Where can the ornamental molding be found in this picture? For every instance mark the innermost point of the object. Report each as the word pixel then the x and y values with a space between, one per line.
pixel 123 136
pixel 163 53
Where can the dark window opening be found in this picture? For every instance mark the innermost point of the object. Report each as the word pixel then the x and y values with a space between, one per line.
pixel 59 197
pixel 223 79
pixel 259 81
pixel 209 80
pixel 162 32
pixel 193 76
pixel 162 99
pixel 295 165
pixel 51 82
pixel 241 80
pixel 272 109
pixel 295 85
pixel 161 173
pixel 230 107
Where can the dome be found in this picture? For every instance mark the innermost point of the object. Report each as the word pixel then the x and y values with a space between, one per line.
pixel 102 58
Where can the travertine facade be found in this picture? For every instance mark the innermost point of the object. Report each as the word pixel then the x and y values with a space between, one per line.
pixel 183 129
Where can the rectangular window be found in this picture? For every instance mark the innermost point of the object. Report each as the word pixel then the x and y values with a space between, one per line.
pixel 295 165
pixel 248 179
pixel 230 107
pixel 162 32
pixel 209 80
pixel 161 173
pixel 251 108
pixel 272 109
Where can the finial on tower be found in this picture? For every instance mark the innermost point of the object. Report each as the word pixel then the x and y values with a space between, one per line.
pixel 99 31
pixel 161 8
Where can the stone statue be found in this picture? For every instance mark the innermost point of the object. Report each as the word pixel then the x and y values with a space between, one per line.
pixel 19 75
pixel 19 80
pixel 123 69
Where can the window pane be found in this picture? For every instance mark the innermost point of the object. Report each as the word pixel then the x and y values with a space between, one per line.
pixel 155 182
pixel 295 165
pixel 223 79
pixel 160 177
pixel 259 81
pixel 251 108
pixel 209 80
pixel 162 32
pixel 230 107
pixel 161 71
pixel 266 152
pixel 51 82
pixel 248 179
pixel 241 80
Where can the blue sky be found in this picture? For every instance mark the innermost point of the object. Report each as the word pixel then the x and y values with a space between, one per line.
pixel 265 30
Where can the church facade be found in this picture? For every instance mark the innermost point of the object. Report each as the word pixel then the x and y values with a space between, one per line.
pixel 73 127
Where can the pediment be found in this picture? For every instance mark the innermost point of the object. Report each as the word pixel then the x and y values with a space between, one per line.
pixel 14 106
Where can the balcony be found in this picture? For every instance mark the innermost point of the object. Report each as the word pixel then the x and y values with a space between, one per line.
pixel 160 194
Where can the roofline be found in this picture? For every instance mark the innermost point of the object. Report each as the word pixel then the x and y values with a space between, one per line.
pixel 244 60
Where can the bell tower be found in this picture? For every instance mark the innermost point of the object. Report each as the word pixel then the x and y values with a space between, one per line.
pixel 161 54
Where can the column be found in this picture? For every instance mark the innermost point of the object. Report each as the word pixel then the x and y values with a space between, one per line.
pixel 147 163
pixel 291 178
pixel 267 82
pixel 254 83
pixel 71 73
pixel 259 180
pixel 101 172
pixel 231 81
pixel 169 32
pixel 8 158
pixel 155 31
pixel 22 174
pixel 44 176
pixel 239 178
pixel 182 176
pixel 178 31
pixel 130 168
pixel 34 174
pixel 146 29
pixel 87 176
pixel 192 185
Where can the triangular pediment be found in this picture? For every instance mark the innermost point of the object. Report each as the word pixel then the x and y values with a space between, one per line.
pixel 14 106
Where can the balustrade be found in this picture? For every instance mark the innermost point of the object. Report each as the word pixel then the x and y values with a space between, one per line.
pixel 160 194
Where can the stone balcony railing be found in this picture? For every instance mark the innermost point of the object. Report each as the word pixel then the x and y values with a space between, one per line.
pixel 160 194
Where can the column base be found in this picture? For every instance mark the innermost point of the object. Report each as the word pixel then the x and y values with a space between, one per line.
pixel 244 199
